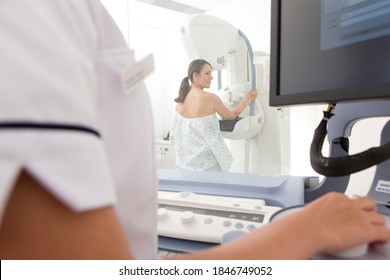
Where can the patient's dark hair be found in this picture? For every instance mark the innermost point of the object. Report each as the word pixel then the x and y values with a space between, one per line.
pixel 195 67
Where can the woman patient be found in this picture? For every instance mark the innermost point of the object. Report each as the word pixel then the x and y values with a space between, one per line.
pixel 195 132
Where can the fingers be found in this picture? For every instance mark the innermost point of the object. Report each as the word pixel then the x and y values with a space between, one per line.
pixel 369 205
pixel 253 94
pixel 377 220
pixel 365 203
pixel 381 234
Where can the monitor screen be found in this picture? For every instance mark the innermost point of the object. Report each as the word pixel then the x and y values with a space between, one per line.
pixel 327 51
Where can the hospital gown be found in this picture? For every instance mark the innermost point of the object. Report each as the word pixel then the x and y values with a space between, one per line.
pixel 199 144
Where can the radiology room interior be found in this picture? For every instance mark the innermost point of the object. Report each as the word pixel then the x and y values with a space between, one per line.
pixel 282 146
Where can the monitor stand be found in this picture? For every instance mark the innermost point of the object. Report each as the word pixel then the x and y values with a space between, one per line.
pixel 339 127
pixel 380 188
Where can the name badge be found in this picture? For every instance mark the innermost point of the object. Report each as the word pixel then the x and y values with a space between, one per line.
pixel 134 74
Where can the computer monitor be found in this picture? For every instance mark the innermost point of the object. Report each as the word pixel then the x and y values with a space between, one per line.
pixel 328 51
pixel 335 52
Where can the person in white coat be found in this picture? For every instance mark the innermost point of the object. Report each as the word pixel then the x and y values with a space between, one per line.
pixel 69 158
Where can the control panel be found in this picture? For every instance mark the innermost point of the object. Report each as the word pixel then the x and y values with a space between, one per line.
pixel 207 218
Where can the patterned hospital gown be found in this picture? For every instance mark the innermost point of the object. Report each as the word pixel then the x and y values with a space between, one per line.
pixel 199 144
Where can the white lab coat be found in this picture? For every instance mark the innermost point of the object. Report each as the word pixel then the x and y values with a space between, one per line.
pixel 60 65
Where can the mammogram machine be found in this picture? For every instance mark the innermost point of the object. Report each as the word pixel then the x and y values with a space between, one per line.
pixel 260 130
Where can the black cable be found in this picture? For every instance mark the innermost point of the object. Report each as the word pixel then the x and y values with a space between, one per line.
pixel 343 165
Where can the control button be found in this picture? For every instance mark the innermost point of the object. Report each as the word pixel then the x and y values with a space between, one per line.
pixel 185 194
pixel 187 217
pixel 251 227
pixel 239 225
pixel 261 202
pixel 208 221
pixel 162 213
pixel 227 223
